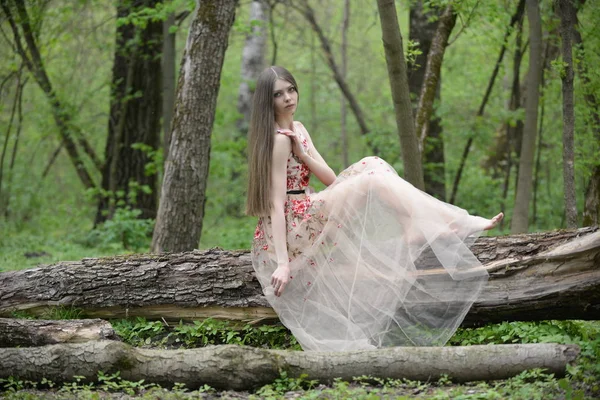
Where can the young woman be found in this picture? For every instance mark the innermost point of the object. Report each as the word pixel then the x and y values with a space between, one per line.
pixel 370 261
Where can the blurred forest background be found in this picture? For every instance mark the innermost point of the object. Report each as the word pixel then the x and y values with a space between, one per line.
pixel 62 193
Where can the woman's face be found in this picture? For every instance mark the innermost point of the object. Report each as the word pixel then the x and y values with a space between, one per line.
pixel 285 98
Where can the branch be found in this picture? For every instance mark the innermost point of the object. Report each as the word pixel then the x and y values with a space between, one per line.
pixel 309 14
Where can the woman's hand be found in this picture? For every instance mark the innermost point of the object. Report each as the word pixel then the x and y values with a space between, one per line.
pixel 297 147
pixel 280 279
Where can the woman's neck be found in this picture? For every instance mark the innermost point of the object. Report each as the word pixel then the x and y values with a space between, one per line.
pixel 285 122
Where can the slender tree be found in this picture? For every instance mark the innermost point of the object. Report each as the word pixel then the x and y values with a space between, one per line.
pixel 253 61
pixel 432 38
pixel 591 212
pixel 343 71
pixel 520 221
pixel 306 10
pixel 168 79
pixel 135 110
pixel 183 195
pixel 463 159
pixel 566 11
pixel 396 65
pixel 26 45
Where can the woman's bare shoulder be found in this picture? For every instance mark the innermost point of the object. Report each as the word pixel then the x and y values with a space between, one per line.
pixel 282 142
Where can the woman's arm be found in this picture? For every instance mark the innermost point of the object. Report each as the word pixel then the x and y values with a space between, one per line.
pixel 281 151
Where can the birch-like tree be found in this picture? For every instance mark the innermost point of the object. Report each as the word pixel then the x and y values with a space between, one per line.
pixel 396 65
pixel 520 221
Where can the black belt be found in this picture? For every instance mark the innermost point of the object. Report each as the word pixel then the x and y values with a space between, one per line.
pixel 295 192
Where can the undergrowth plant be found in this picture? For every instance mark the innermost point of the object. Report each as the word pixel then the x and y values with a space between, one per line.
pixel 140 331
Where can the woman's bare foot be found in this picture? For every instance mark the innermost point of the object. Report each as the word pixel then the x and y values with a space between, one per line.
pixel 494 222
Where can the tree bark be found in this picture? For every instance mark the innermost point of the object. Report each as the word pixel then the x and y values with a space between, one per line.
pixel 28 332
pixel 253 62
pixel 183 195
pixel 422 30
pixel 343 72
pixel 435 58
pixel 520 220
pixel 168 65
pixel 567 13
pixel 550 275
pixel 135 111
pixel 243 368
pixel 396 65
pixel 591 211
pixel 309 15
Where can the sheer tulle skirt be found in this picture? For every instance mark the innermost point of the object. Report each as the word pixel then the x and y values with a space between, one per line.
pixel 374 262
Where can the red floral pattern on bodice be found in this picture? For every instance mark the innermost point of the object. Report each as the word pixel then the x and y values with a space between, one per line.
pixel 298 173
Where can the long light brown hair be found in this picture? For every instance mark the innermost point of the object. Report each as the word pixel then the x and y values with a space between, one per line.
pixel 261 137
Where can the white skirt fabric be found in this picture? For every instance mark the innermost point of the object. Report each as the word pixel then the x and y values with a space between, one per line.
pixel 374 262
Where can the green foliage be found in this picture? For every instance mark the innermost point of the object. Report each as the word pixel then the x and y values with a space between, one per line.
pixel 140 331
pixel 142 16
pixel 285 384
pixel 125 229
pixel 156 156
pixel 81 388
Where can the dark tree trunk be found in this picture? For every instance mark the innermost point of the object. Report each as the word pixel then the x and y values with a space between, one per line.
pixel 520 220
pixel 567 13
pixel 37 332
pixel 246 368
pixel 532 277
pixel 183 195
pixel 422 30
pixel 168 80
pixel 397 74
pixel 135 110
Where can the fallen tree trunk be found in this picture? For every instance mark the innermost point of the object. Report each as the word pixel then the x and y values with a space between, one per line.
pixel 28 332
pixel 549 275
pixel 243 368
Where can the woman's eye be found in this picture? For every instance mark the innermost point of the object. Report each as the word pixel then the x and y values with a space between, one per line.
pixel 292 89
pixel 277 94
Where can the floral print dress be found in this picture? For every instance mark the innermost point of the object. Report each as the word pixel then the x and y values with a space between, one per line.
pixel 374 261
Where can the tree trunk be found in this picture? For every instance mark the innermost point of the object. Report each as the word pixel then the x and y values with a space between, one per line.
pixel 430 85
pixel 253 62
pixel 520 220
pixel 422 30
pixel 551 275
pixel 566 11
pixel 591 212
pixel 28 332
pixel 514 134
pixel 244 368
pixel 396 65
pixel 169 54
pixel 343 72
pixel 183 195
pixel 135 110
